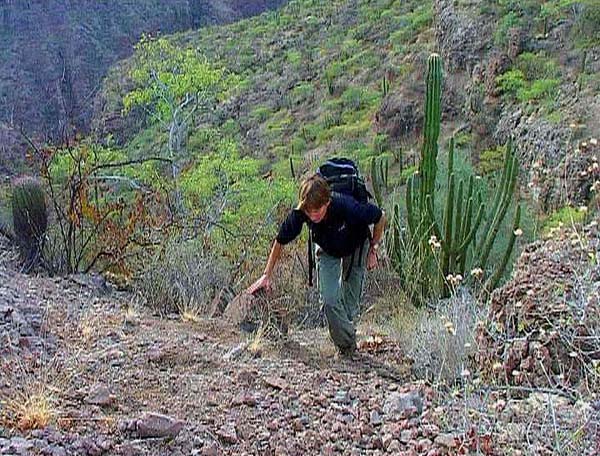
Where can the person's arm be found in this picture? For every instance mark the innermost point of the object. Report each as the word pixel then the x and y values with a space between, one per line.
pixel 375 241
pixel 288 231
pixel 378 230
pixel 265 280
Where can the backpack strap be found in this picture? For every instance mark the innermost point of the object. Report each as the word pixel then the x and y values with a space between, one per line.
pixel 360 256
pixel 311 258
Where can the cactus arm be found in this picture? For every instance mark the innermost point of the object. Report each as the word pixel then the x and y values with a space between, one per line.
pixel 507 190
pixel 447 239
pixel 376 181
pixel 467 240
pixel 493 280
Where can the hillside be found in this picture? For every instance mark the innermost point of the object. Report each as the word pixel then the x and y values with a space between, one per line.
pixel 311 78
pixel 55 54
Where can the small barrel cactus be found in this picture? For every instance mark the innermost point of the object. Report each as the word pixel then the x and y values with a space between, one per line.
pixel 30 219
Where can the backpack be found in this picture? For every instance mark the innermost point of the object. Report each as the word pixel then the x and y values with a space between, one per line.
pixel 343 176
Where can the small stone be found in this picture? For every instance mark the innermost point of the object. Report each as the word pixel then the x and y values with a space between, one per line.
pixel 228 434
pixel 342 397
pixel 446 440
pixel 403 404
pixel 297 425
pixel 210 450
pixel 245 399
pixel 393 447
pixel 276 382
pixel 375 418
pixel 156 425
pixel 100 396
pixel 406 436
pixel 423 445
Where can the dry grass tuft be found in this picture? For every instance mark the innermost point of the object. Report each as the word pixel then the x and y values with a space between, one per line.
pixel 439 341
pixel 191 312
pixel 33 407
pixel 256 346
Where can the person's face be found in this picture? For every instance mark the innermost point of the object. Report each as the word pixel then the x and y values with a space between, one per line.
pixel 316 215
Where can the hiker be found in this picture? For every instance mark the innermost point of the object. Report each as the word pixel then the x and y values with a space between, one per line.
pixel 340 227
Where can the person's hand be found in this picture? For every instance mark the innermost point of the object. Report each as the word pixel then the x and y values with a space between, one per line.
pixel 264 282
pixel 372 260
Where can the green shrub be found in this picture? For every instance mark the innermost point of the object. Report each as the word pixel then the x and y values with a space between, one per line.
pixel 302 92
pixel 202 139
pixel 229 191
pixel 538 90
pixel 462 139
pixel 491 160
pixel 407 172
pixel 567 216
pixel 294 58
pixel 358 98
pixel 587 23
pixel 511 82
pixel 231 128
pixel 381 143
pixel 279 124
pixel 412 23
pixel 260 114
pixel 297 145
pixel 507 22
pixel 537 66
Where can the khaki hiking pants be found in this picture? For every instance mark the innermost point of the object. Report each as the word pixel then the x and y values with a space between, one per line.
pixel 341 293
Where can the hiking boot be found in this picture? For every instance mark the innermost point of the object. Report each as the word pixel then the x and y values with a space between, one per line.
pixel 347 352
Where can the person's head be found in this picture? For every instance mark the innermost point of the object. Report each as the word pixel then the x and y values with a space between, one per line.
pixel 314 197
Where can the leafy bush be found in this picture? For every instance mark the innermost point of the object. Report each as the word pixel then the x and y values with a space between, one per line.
pixel 508 21
pixel 511 82
pixel 260 114
pixel 491 160
pixel 103 204
pixel 565 216
pixel 538 90
pixel 302 92
pixel 228 193
pixel 514 84
pixel 537 66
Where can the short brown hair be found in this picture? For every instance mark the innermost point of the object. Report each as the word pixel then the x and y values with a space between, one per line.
pixel 314 193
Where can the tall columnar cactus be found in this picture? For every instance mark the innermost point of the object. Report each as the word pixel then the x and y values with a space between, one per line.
pixel 30 219
pixel 379 177
pixel 385 85
pixel 463 211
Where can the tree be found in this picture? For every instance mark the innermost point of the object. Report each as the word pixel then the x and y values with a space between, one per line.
pixel 172 85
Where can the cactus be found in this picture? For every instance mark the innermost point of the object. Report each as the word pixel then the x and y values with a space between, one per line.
pixel 385 85
pixel 463 211
pixel 30 220
pixel 379 177
pixel 293 172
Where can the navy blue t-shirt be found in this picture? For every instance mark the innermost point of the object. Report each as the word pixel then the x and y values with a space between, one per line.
pixel 344 228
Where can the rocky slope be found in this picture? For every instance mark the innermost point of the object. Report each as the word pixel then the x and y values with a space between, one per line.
pixel 85 371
